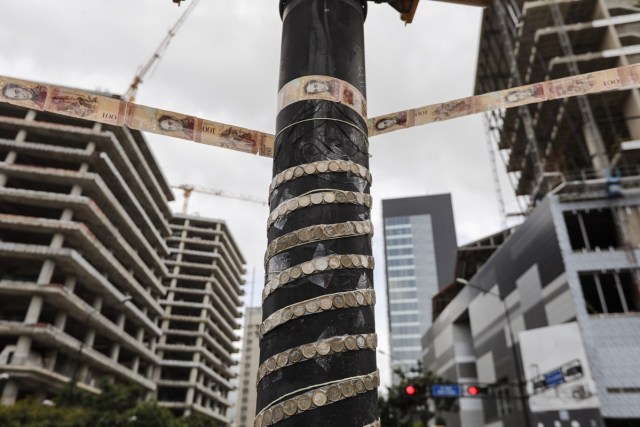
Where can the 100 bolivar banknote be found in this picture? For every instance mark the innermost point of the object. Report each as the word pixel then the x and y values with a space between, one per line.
pixel 112 111
pixel 620 78
pixel 104 109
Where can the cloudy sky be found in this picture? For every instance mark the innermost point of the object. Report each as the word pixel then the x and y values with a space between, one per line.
pixel 223 65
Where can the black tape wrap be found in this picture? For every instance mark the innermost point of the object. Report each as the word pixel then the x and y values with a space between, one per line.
pixel 320 38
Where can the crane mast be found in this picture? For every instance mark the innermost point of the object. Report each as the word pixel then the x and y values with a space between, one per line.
pixel 132 91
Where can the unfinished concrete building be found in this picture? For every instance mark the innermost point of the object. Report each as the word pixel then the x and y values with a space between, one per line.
pixel 204 287
pixel 586 137
pixel 574 165
pixel 83 226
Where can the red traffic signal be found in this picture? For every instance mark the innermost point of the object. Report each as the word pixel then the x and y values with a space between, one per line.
pixel 410 390
pixel 475 390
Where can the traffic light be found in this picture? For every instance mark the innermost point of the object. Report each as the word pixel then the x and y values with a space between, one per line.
pixel 410 390
pixel 476 390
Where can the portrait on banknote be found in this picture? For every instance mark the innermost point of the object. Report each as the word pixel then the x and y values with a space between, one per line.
pixel 172 124
pixel 533 93
pixel 316 87
pixel 386 123
pixel 33 96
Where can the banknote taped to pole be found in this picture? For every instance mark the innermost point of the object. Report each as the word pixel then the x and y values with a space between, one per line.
pixel 112 111
pixel 325 88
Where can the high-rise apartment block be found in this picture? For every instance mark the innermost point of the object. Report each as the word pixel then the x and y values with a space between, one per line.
pixel 200 319
pixel 83 226
pixel 99 279
pixel 420 248
pixel 249 363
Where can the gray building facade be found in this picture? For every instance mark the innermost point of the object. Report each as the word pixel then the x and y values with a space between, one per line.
pixel 420 247
pixel 574 261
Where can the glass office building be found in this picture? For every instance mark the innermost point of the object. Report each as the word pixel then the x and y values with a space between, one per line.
pixel 420 248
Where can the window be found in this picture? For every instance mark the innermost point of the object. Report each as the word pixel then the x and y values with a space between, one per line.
pixel 398 220
pixel 592 229
pixel 611 292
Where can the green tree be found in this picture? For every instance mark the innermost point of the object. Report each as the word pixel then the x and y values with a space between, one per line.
pixel 117 405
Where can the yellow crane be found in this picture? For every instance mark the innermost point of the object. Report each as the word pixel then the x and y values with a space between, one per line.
pixel 187 189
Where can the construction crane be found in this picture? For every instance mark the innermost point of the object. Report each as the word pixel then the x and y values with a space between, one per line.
pixel 130 95
pixel 188 189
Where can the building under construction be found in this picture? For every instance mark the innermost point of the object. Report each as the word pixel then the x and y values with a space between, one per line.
pixel 95 268
pixel 584 137
pixel 201 318
pixel 573 164
pixel 83 226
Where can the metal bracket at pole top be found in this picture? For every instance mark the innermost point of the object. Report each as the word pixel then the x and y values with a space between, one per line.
pixel 283 5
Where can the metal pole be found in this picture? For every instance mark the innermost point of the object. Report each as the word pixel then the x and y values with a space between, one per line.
pixel 514 352
pixel 317 348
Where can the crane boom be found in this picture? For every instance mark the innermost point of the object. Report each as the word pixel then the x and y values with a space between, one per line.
pixel 130 95
pixel 188 189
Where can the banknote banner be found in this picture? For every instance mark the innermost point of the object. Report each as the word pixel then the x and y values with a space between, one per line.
pixel 112 111
pixel 621 78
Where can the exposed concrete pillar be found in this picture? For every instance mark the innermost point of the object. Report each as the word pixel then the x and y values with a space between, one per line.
pixel 12 155
pixel 597 151
pixel 115 352
pixel 136 364
pixel 9 393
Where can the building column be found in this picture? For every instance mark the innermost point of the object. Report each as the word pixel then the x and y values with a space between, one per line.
pixel 115 348
pixel 12 154
pixel 9 393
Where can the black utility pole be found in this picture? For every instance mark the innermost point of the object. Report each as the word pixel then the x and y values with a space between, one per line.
pixel 317 346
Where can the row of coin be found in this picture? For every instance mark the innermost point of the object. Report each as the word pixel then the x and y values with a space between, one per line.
pixel 317 398
pixel 315 266
pixel 320 348
pixel 317 305
pixel 316 233
pixel 319 198
pixel 324 166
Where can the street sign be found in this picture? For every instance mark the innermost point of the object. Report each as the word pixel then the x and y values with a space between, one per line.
pixel 446 390
pixel 553 378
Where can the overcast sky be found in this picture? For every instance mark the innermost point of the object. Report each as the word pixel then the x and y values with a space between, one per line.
pixel 223 65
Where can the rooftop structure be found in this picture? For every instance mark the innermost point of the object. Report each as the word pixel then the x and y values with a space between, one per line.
pixel 204 287
pixel 83 223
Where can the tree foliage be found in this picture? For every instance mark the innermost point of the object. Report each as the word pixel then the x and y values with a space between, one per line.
pixel 117 405
pixel 399 409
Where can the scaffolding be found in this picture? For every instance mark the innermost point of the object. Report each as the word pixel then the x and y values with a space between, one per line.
pixel 526 42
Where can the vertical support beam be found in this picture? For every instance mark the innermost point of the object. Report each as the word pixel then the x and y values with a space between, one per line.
pixel 318 368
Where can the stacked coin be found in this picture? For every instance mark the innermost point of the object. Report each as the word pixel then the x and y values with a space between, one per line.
pixel 316 305
pixel 320 348
pixel 335 166
pixel 315 266
pixel 319 198
pixel 317 398
pixel 317 233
